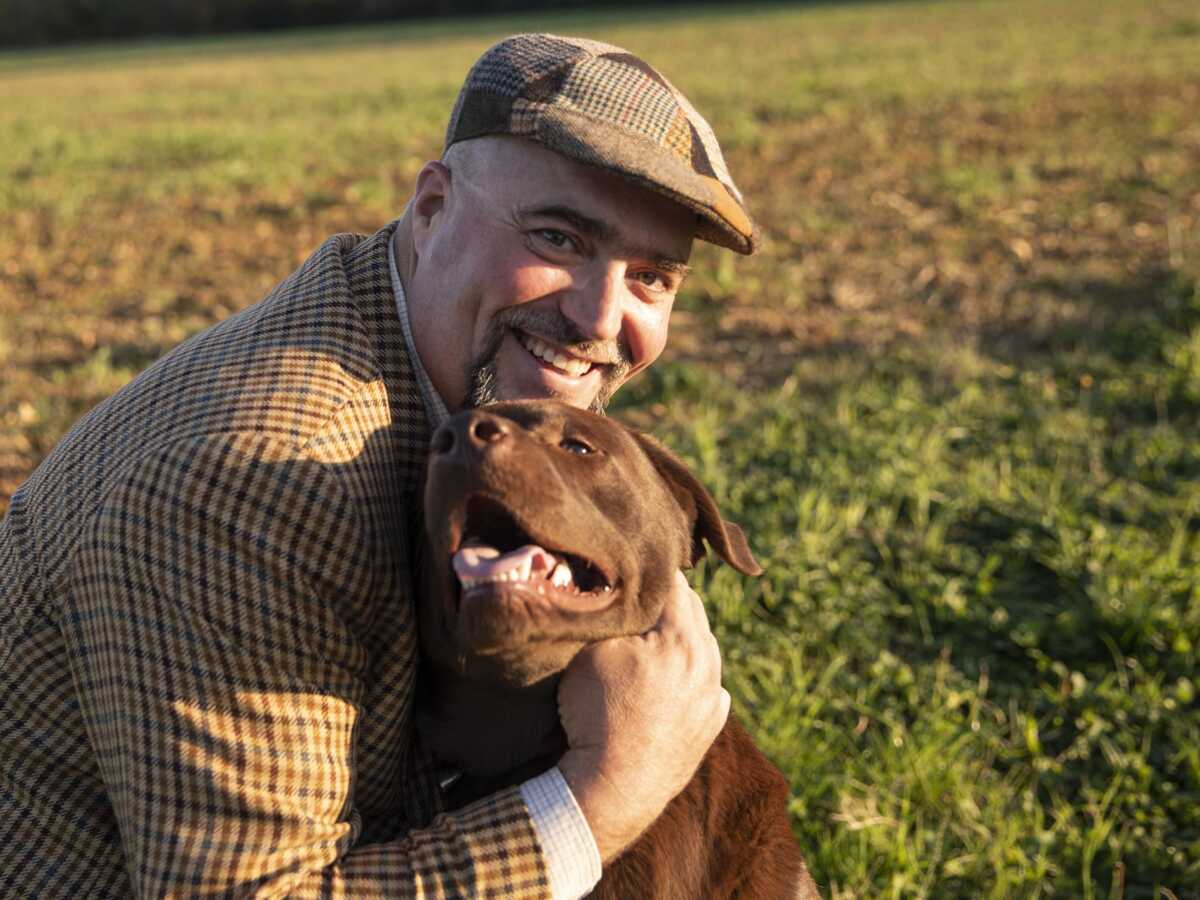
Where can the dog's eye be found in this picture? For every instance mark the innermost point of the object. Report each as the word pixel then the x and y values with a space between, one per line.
pixel 574 445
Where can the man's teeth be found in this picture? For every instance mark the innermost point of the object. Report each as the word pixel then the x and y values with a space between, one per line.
pixel 542 350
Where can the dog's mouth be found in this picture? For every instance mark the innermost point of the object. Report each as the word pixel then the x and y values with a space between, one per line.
pixel 497 556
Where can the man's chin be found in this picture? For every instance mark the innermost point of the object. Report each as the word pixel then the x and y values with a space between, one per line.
pixel 581 399
pixel 512 373
pixel 583 396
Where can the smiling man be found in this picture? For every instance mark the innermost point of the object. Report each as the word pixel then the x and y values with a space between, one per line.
pixel 209 655
pixel 570 280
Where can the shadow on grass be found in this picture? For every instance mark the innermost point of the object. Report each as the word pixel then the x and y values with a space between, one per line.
pixel 1123 320
pixel 1117 392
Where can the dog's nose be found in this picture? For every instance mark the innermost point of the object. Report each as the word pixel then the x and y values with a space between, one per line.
pixel 466 432
pixel 486 429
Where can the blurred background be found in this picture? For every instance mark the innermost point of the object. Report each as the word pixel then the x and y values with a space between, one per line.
pixel 955 401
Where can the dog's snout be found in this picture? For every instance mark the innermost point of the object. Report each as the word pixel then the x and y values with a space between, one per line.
pixel 465 433
pixel 443 440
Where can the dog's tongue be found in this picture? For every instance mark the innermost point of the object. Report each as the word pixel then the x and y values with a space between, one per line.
pixel 482 561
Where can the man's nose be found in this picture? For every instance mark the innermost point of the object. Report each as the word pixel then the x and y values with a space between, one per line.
pixel 597 299
pixel 468 434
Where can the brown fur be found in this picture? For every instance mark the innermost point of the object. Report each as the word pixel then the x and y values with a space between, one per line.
pixel 632 508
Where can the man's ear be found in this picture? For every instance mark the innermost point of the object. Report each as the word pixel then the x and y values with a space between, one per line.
pixel 429 199
pixel 707 525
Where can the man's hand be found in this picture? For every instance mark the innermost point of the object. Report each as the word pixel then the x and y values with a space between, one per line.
pixel 639 714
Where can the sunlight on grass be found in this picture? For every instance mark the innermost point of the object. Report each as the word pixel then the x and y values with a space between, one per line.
pixel 969 651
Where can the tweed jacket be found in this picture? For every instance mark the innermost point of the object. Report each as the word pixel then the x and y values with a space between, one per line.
pixel 208 645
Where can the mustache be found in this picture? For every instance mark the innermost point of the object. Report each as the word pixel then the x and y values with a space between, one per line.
pixel 553 326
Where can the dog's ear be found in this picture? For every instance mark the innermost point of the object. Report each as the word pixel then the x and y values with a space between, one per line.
pixel 725 537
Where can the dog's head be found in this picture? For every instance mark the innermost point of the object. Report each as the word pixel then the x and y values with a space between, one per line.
pixel 548 527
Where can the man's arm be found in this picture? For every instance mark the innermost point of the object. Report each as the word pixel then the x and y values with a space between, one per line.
pixel 212 623
pixel 639 714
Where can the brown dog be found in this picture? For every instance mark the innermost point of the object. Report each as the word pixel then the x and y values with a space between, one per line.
pixel 546 528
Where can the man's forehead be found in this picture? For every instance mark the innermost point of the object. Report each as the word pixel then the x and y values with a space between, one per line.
pixel 535 181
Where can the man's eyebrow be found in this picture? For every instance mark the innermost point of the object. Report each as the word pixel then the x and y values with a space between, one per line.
pixel 594 228
pixel 599 230
pixel 674 266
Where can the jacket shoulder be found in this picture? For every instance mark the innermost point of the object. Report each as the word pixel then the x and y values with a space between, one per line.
pixel 281 369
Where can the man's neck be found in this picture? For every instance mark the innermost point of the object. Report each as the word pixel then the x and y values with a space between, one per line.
pixel 402 259
pixel 402 248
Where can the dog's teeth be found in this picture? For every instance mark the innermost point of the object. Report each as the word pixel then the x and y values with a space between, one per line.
pixel 473 553
pixel 561 576
pixel 521 573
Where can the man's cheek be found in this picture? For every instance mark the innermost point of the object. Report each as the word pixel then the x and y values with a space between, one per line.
pixel 646 343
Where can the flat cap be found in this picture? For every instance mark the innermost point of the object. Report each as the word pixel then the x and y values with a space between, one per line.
pixel 603 106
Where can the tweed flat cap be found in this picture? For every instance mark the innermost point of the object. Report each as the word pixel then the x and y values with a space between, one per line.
pixel 605 107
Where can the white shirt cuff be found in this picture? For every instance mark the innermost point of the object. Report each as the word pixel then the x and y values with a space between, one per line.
pixel 572 858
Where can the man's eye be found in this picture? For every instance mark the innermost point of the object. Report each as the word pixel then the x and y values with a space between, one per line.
pixel 656 281
pixel 573 445
pixel 558 239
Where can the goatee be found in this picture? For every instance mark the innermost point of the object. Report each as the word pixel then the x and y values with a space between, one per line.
pixel 551 326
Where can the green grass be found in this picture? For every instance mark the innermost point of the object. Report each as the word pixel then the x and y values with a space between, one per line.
pixel 975 647
pixel 211 114
pixel 955 402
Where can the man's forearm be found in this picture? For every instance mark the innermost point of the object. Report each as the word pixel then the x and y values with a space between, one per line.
pixel 488 848
pixel 568 846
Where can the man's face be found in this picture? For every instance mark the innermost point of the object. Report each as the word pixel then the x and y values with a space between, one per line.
pixel 540 277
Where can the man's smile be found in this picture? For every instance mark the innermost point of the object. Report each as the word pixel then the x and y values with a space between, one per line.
pixel 554 356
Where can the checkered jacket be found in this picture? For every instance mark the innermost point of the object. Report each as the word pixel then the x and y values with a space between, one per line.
pixel 207 637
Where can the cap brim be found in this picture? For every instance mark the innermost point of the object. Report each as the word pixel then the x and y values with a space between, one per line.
pixel 721 219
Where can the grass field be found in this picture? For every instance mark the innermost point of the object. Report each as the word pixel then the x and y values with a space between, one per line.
pixel 956 400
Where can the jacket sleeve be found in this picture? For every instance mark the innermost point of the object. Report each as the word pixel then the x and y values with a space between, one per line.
pixel 215 638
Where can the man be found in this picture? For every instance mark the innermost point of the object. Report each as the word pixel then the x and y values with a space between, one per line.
pixel 208 647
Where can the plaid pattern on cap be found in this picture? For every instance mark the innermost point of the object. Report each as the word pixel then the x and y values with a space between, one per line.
pixel 605 107
pixel 208 643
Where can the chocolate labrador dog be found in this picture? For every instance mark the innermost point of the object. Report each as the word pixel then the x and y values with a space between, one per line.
pixel 546 528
